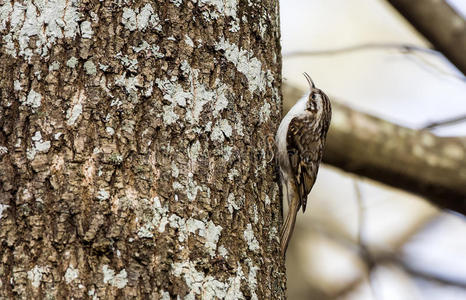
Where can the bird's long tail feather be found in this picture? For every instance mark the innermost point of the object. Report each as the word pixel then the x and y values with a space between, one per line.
pixel 288 226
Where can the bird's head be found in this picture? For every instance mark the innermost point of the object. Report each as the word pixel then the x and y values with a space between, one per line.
pixel 317 100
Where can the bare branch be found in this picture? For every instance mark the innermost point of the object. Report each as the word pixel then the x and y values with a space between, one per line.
pixel 364 250
pixel 446 122
pixel 403 48
pixel 420 273
pixel 364 46
pixel 379 258
pixel 440 24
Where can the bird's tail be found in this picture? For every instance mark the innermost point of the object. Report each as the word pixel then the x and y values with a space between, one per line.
pixel 288 226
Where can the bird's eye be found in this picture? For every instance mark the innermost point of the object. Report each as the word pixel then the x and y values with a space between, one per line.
pixel 313 96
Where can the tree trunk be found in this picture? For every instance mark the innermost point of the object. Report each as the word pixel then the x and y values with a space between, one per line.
pixel 133 150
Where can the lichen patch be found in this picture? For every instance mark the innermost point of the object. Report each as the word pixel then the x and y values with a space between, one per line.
pixel 33 99
pixel 77 107
pixel 245 63
pixel 207 286
pixel 141 19
pixel 71 274
pixel 35 275
pixel 251 240
pixel 117 280
pixel 47 21
pixel 3 207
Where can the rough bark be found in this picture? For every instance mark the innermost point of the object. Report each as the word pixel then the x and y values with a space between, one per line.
pixel 414 160
pixel 440 24
pixel 133 153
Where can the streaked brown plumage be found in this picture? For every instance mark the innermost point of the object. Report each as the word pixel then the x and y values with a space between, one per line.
pixel 300 142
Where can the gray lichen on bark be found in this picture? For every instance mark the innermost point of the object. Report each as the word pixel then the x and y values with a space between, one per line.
pixel 133 149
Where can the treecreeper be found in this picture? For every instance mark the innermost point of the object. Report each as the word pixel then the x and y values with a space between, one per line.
pixel 300 142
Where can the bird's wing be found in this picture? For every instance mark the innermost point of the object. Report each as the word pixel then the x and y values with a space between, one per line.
pixel 305 152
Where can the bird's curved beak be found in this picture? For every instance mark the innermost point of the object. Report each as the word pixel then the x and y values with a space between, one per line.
pixel 309 80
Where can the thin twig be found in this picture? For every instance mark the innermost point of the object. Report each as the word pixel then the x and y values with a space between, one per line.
pixel 429 66
pixel 361 212
pixel 365 46
pixel 445 122
pixel 386 257
pixel 403 48
pixel 422 274
pixel 364 250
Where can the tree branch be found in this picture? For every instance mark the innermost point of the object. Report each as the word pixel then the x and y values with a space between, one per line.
pixel 440 24
pixel 446 122
pixel 413 160
pixel 364 46
pixel 403 48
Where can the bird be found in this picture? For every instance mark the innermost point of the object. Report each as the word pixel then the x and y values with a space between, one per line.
pixel 300 141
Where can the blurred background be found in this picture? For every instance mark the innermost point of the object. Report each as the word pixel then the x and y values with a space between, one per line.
pixel 360 238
